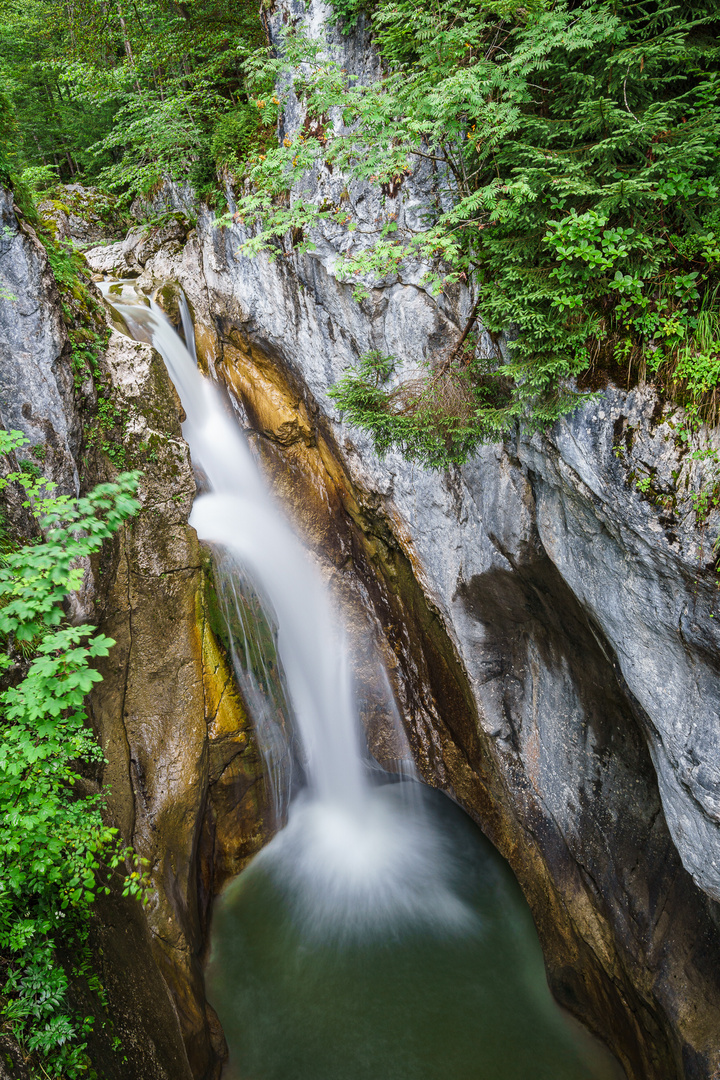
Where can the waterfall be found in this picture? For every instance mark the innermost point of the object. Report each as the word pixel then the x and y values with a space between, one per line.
pixel 351 854
pixel 238 514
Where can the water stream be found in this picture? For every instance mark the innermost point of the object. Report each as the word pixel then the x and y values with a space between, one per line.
pixel 378 936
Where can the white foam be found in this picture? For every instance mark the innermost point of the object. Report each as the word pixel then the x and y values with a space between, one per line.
pixel 382 873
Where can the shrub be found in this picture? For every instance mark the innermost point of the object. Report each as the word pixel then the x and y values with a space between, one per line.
pixel 56 853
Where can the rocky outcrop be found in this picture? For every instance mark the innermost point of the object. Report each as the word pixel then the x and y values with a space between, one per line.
pixel 127 258
pixel 643 568
pixel 82 216
pixel 549 624
pixel 36 380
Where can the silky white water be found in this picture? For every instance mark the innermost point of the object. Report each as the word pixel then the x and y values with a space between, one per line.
pixel 348 858
pixel 238 514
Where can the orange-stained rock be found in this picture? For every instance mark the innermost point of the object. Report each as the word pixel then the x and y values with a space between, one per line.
pixel 597 958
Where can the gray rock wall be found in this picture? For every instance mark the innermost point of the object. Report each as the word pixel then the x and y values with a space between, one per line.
pixel 36 381
pixel 639 564
pixel 644 572
pixel 580 611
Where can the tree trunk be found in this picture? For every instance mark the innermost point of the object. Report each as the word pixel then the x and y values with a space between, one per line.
pixel 468 327
pixel 128 46
pixel 39 149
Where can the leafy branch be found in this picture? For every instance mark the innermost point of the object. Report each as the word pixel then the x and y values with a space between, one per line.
pixel 566 156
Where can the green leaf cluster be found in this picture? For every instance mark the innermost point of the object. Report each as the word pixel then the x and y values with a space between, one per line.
pixel 56 853
pixel 436 417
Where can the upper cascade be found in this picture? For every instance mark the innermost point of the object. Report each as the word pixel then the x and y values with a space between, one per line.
pixel 238 513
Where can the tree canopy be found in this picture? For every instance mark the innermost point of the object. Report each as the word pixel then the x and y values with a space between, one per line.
pixel 125 92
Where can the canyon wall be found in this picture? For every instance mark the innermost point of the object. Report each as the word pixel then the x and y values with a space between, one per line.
pixel 182 773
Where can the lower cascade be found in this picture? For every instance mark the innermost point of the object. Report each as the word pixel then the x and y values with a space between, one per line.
pixel 378 936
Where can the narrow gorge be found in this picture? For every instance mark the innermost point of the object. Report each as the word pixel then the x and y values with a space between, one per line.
pixel 533 632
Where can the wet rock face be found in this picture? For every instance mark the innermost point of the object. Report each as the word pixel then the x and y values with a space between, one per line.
pixel 37 397
pixel 36 382
pixel 565 735
pixel 521 698
pixel 173 728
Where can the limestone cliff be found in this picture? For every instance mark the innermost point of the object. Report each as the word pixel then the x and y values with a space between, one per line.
pixel 36 382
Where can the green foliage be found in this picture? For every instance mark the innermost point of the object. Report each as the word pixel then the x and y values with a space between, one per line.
pixel 437 418
pixel 698 362
pixel 9 176
pixel 84 316
pixel 572 154
pixel 39 179
pixel 350 12
pixel 55 128
pixel 8 135
pixel 55 851
pixel 125 95
pixel 234 135
pixel 567 152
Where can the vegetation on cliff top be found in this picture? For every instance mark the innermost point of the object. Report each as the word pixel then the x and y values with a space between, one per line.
pixel 56 853
pixel 126 94
pixel 567 153
pixel 570 151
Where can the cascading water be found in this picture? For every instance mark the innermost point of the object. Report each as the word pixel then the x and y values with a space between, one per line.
pixel 238 514
pixel 376 937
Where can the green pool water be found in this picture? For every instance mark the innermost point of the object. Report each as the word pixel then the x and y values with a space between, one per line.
pixel 436 975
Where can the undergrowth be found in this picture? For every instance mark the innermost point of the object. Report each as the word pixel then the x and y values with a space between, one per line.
pixel 56 853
